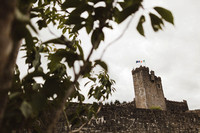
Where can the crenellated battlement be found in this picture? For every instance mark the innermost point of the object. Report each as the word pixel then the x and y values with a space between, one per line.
pixel 177 106
pixel 145 70
pixel 141 68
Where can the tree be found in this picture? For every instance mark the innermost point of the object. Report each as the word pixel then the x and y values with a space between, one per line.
pixel 25 102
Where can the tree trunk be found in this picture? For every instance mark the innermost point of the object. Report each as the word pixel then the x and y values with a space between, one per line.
pixel 8 51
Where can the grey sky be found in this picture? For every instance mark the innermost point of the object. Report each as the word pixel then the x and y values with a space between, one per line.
pixel 174 53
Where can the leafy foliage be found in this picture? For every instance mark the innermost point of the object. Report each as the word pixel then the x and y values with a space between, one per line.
pixel 30 101
pixel 165 14
pixel 139 26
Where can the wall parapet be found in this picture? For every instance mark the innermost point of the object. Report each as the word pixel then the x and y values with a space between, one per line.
pixel 176 106
pixel 125 118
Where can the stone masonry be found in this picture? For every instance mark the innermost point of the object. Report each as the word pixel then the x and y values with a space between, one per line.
pixel 148 89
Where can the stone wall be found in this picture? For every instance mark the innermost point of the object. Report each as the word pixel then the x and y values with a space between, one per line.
pixel 125 118
pixel 177 106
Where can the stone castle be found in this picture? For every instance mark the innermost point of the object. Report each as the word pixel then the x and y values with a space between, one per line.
pixel 149 92
pixel 149 112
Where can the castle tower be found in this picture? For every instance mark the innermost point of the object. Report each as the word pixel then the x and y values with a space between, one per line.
pixel 148 89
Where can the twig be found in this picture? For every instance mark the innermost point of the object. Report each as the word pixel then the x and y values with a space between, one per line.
pixel 52 32
pixel 77 130
pixel 119 37
pixel 68 128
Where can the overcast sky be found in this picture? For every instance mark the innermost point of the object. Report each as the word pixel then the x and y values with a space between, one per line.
pixel 174 53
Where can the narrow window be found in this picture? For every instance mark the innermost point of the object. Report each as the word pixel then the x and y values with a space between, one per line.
pixel 158 85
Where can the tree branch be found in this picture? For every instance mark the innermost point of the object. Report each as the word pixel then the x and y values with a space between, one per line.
pixel 7 47
pixel 67 120
pixel 118 38
pixel 77 130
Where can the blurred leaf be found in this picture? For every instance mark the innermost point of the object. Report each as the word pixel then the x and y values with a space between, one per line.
pixel 156 22
pixel 29 40
pixel 140 25
pixel 81 97
pixel 26 109
pixel 64 30
pixel 166 14
pixel 129 7
pixel 36 86
pixel 76 20
pixel 51 86
pixel 81 52
pixel 97 37
pixel 89 24
pixel 102 64
pixel 41 24
pixel 36 61
pixel 77 27
pixel 61 40
pixel 39 101
pixel 70 3
pixel 15 94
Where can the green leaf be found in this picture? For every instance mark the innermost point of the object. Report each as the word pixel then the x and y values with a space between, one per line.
pixel 77 27
pixel 166 14
pixel 52 86
pixel 36 86
pixel 128 3
pixel 69 56
pixel 29 40
pixel 70 3
pixel 26 109
pixel 102 64
pixel 61 40
pixel 140 25
pixel 64 30
pixel 97 37
pixel 54 61
pixel 81 97
pixel 156 22
pixel 36 62
pixel 15 94
pixel 40 3
pixel 39 101
pixel 81 52
pixel 41 24
pixel 75 19
pixel 129 7
pixel 89 24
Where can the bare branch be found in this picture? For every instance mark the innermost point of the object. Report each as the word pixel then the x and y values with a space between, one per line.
pixel 77 130
pixel 119 37
pixel 52 32
pixel 67 121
